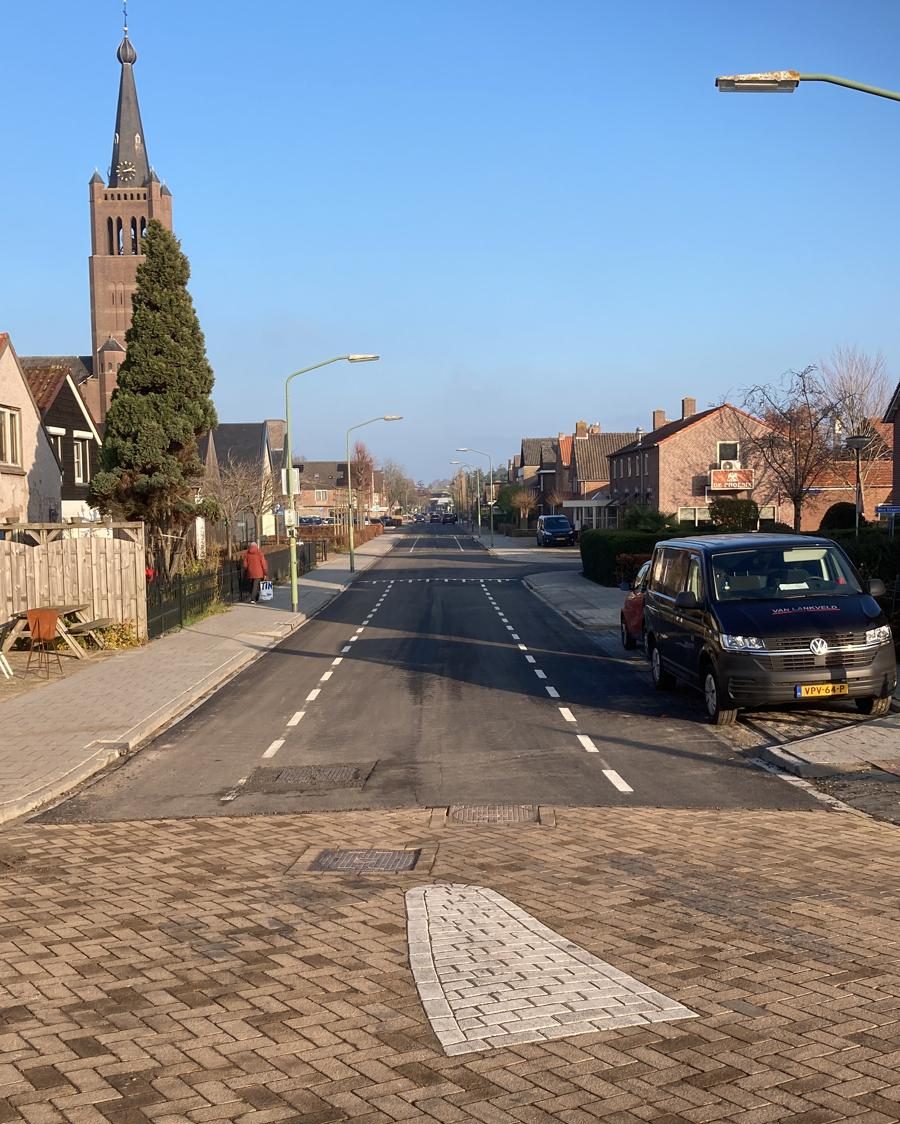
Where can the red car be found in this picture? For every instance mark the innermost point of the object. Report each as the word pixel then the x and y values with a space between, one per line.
pixel 632 616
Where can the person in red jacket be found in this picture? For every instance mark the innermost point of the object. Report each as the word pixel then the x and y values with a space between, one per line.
pixel 255 569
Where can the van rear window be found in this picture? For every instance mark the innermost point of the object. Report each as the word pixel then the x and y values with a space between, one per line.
pixel 773 573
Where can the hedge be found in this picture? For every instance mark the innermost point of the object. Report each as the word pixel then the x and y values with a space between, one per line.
pixel 600 549
pixel 874 554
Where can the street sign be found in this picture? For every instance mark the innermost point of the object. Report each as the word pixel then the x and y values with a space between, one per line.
pixel 887 509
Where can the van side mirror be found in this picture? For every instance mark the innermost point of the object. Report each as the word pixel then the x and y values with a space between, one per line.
pixel 687 599
pixel 877 587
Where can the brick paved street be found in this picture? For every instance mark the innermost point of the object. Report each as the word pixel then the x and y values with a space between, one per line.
pixel 199 971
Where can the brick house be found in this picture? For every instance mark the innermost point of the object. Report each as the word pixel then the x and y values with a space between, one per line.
pixel 585 482
pixel 71 431
pixel 30 474
pixel 321 488
pixel 679 466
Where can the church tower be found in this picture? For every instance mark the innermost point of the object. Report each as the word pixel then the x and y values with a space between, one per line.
pixel 120 211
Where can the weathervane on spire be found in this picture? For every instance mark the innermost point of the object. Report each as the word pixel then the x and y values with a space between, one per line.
pixel 125 16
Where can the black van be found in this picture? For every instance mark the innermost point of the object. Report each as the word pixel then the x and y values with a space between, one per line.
pixel 760 619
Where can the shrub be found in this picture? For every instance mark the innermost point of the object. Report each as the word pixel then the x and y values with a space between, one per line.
pixel 627 566
pixel 731 514
pixel 648 519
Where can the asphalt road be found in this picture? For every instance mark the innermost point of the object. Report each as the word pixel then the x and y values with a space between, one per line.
pixel 436 679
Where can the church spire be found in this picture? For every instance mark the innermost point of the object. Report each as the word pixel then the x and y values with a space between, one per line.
pixel 130 165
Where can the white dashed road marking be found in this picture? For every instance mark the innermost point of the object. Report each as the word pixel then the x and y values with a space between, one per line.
pixel 552 692
pixel 337 661
pixel 540 674
pixel 326 675
pixel 314 694
pixel 616 781
pixel 567 714
pixel 531 659
pixel 587 744
pixel 274 747
pixel 294 720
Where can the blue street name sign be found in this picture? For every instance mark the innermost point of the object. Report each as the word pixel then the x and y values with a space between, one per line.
pixel 887 509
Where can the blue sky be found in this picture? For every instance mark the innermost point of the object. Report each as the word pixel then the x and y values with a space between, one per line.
pixel 534 211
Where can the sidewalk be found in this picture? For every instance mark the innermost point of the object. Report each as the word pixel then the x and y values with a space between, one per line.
pixel 57 736
pixel 583 602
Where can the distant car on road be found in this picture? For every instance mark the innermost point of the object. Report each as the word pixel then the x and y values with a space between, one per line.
pixel 632 616
pixel 449 517
pixel 435 517
pixel 555 530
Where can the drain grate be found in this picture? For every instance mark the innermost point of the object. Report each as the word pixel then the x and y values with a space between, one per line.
pixel 365 862
pixel 309 778
pixel 493 813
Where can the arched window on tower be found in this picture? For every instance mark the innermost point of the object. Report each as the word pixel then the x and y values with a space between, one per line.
pixel 120 238
pixel 110 236
pixel 134 236
pixel 143 229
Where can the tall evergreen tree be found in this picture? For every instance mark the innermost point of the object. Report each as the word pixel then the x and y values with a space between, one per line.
pixel 150 467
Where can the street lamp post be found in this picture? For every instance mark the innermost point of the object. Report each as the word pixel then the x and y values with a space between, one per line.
pixel 371 421
pixel 289 460
pixel 857 442
pixel 467 449
pixel 477 471
pixel 786 81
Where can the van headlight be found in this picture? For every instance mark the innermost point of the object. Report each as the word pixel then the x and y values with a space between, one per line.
pixel 880 635
pixel 742 643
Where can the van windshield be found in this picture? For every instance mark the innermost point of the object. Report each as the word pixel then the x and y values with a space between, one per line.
pixel 775 573
pixel 557 523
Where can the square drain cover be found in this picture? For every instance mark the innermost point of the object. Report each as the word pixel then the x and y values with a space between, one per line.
pixel 309 778
pixel 493 813
pixel 365 862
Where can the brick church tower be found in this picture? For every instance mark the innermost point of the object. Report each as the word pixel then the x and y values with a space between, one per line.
pixel 120 211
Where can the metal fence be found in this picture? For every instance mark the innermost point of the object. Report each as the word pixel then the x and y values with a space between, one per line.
pixel 189 596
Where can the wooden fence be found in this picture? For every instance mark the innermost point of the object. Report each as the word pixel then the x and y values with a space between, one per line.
pixel 92 564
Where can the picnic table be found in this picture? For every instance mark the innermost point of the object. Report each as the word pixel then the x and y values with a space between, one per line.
pixel 67 630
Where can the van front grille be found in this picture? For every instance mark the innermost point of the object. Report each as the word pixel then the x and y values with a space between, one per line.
pixel 833 640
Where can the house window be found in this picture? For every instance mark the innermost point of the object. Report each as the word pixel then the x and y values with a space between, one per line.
pixel 768 513
pixel 646 464
pixel 628 459
pixel 10 444
pixel 728 451
pixel 693 515
pixel 55 436
pixel 82 453
pixel 321 495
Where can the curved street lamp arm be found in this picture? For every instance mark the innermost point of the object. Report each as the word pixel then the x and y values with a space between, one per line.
pixel 861 87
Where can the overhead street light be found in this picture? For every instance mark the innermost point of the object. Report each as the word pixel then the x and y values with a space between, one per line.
pixel 289 459
pixel 371 421
pixel 786 81
pixel 467 449
pixel 857 442
pixel 477 471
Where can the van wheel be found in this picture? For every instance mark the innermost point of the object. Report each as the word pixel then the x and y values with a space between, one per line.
pixel 717 710
pixel 628 641
pixel 874 708
pixel 662 680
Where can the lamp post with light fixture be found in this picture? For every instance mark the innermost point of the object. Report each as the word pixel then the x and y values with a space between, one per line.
pixel 477 471
pixel 289 460
pixel 467 449
pixel 786 81
pixel 371 421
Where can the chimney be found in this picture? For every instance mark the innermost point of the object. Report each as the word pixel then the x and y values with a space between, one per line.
pixel 688 407
pixel 659 419
pixel 594 429
pixel 581 430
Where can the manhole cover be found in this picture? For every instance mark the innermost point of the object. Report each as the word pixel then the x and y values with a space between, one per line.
pixel 309 778
pixel 364 862
pixel 493 813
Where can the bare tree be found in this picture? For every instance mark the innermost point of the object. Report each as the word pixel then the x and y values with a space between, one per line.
pixel 795 444
pixel 397 485
pixel 554 497
pixel 237 488
pixel 858 386
pixel 524 501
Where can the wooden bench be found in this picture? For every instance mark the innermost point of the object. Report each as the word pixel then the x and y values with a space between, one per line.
pixel 90 628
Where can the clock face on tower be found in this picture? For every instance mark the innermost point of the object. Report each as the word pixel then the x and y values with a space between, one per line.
pixel 125 171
